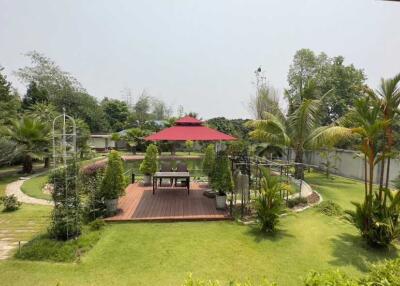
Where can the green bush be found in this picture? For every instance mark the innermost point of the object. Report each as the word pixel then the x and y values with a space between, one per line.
pixel 378 224
pixel 10 203
pixel 44 248
pixel 222 180
pixel 330 278
pixel 209 160
pixel 385 274
pixel 97 224
pixel 90 182
pixel 190 281
pixel 149 164
pixel 291 203
pixel 113 183
pixel 66 215
pixel 330 208
pixel 189 144
pixel 269 204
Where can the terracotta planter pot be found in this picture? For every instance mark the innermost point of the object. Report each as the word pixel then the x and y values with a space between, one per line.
pixel 220 202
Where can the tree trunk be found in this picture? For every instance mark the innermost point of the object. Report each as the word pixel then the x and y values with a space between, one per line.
pixel 382 175
pixel 371 174
pixel 365 176
pixel 27 165
pixel 299 172
pixel 389 149
pixel 46 162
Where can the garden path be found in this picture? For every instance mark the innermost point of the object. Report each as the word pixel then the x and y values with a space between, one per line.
pixel 14 188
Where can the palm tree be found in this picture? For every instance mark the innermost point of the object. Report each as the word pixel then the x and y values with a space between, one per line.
pixel 295 131
pixel 134 137
pixel 32 138
pixel 363 121
pixel 388 96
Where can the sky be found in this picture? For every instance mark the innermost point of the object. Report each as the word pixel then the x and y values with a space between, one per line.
pixel 198 54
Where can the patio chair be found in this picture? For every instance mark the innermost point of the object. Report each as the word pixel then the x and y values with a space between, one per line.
pixel 181 167
pixel 166 167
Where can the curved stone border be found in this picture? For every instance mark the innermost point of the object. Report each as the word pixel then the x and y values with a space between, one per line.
pixel 312 205
pixel 14 188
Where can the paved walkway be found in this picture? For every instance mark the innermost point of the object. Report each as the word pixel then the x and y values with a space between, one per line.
pixel 14 188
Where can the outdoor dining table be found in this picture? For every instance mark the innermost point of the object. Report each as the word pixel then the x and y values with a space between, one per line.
pixel 172 176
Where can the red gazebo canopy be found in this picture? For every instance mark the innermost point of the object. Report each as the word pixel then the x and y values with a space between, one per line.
pixel 189 128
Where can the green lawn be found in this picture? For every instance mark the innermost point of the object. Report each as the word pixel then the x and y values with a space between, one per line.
pixel 338 189
pixel 163 253
pixel 34 187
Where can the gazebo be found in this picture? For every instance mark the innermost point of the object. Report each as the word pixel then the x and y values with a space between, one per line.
pixel 189 128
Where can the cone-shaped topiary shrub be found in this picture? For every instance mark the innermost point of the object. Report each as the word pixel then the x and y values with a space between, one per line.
pixel 113 184
pixel 149 164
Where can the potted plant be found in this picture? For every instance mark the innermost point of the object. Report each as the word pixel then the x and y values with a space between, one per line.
pixel 222 181
pixel 209 162
pixel 113 183
pixel 149 164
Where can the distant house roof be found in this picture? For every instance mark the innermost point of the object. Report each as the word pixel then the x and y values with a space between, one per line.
pixel 100 135
pixel 189 128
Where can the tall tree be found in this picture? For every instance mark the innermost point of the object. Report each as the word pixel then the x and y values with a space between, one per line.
pixel 324 73
pixel 116 112
pixel 142 108
pixel 160 110
pixel 34 95
pixel 31 136
pixel 295 131
pixel 9 100
pixel 364 121
pixel 64 90
pixel 388 96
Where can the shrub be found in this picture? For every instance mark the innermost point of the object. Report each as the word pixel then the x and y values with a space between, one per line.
pixel 209 160
pixel 330 208
pixel 97 224
pixel 93 169
pixel 190 281
pixel 269 204
pixel 149 164
pixel 44 248
pixel 113 183
pixel 90 184
pixel 189 145
pixel 385 273
pixel 10 203
pixel 291 203
pixel 330 278
pixel 378 224
pixel 66 215
pixel 222 180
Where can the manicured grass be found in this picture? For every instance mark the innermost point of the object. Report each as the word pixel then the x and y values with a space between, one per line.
pixel 46 249
pixel 34 187
pixel 341 190
pixel 163 253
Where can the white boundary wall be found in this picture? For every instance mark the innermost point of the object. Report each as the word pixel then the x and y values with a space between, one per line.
pixel 349 164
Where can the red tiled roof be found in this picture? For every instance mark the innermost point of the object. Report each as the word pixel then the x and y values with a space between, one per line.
pixel 188 120
pixel 189 128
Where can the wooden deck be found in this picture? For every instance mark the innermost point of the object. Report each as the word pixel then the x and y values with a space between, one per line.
pixel 139 204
